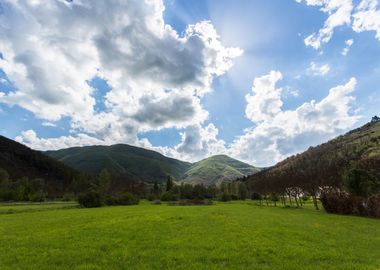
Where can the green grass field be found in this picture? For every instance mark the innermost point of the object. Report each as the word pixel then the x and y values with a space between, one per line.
pixel 238 235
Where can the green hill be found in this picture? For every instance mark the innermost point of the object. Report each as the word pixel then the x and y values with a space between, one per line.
pixel 19 161
pixel 216 169
pixel 325 164
pixel 145 165
pixel 133 162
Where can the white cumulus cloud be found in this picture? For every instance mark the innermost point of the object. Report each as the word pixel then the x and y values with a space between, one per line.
pixel 156 75
pixel 280 133
pixel 361 16
pixel 318 69
pixel 349 43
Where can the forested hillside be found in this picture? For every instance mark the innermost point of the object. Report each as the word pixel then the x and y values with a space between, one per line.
pixel 129 161
pixel 20 161
pixel 326 165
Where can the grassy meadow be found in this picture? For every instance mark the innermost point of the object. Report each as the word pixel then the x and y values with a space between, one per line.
pixel 236 235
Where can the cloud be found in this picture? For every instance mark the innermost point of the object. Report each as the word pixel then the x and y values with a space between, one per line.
pixel 178 109
pixel 339 13
pixel 48 124
pixel 30 138
pixel 318 69
pixel 365 16
pixel 156 75
pixel 349 43
pixel 198 142
pixel 278 135
pixel 266 101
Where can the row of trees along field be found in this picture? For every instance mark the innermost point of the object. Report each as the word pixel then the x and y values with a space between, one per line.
pixel 344 173
pixel 106 189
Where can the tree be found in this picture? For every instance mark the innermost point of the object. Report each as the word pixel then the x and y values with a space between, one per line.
pixel 169 183
pixel 4 176
pixel 361 182
pixel 104 181
pixel 91 198
pixel 156 189
pixel 243 191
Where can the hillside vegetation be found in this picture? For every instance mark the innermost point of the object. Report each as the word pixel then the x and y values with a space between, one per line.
pixel 20 161
pixel 323 168
pixel 217 169
pixel 121 159
pixel 149 166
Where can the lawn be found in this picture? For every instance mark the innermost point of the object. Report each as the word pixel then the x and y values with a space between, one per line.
pixel 237 235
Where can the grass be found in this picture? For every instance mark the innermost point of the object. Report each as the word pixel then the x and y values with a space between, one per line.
pixel 237 235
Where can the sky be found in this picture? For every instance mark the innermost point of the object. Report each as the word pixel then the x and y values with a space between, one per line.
pixel 256 80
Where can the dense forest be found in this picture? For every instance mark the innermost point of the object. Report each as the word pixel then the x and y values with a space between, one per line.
pixel 24 166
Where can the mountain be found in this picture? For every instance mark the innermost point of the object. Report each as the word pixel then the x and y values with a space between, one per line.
pixel 145 165
pixel 325 164
pixel 123 160
pixel 19 161
pixel 216 169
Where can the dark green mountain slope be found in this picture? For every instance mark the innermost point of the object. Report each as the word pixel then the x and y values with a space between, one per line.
pixel 19 161
pixel 216 169
pixel 325 164
pixel 122 160
pixel 145 165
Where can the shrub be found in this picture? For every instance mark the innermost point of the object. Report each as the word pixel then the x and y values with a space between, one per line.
pixel 68 197
pixel 234 197
pixel 169 196
pixel 127 198
pixel 225 197
pixel 151 197
pixel 90 199
pixel 192 202
pixel 347 204
pixel 37 196
pixel 255 196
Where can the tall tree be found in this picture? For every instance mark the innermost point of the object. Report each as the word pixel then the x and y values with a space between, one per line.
pixel 169 183
pixel 104 181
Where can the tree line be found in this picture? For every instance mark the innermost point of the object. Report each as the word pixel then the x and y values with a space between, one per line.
pixel 344 174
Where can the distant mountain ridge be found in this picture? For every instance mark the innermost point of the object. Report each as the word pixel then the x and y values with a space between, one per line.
pixel 149 166
pixel 122 159
pixel 216 169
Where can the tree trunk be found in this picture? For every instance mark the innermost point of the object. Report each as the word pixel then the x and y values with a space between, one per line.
pixel 295 198
pixel 315 202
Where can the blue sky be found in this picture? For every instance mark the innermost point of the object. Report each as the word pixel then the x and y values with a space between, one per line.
pixel 153 80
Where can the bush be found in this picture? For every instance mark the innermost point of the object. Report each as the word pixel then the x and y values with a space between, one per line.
pixel 234 197
pixel 347 204
pixel 169 197
pixel 90 199
pixel 151 197
pixel 192 202
pixel 37 196
pixel 127 198
pixel 68 197
pixel 255 196
pixel 225 197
